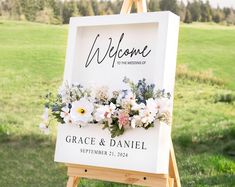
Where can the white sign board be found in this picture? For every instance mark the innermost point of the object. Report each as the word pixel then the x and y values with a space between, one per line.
pixel 101 51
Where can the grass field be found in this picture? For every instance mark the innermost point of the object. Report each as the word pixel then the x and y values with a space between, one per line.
pixel 32 62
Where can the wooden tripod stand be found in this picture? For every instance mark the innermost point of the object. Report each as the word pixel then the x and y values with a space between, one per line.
pixel 75 172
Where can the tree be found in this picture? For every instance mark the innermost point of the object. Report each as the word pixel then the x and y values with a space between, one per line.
pixel 205 12
pixel 29 9
pixel 153 5
pixel 45 16
pixel 59 11
pixel 16 11
pixel 89 11
pixel 117 6
pixel 102 7
pixel 231 18
pixel 95 7
pixel 217 15
pixel 85 8
pixel 195 10
pixel 1 11
pixel 182 11
pixel 188 17
pixel 227 11
pixel 109 8
pixel 170 5
pixel 5 8
pixel 82 7
pixel 69 10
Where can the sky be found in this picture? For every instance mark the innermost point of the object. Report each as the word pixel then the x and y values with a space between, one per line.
pixel 221 3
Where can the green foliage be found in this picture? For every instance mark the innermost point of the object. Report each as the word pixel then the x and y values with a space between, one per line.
pixel 30 8
pixel 182 11
pixel 57 12
pixel 226 97
pixel 69 10
pixel 115 130
pixel 153 5
pixel 95 7
pixel 46 16
pixel 217 16
pixel 170 5
pixel 188 17
pixel 195 10
pixel 85 7
pixel 206 12
pixel 148 126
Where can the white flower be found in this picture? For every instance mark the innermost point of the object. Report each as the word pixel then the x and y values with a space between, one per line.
pixel 66 115
pixel 100 111
pixel 105 112
pixel 126 101
pixel 151 105
pixel 45 115
pixel 44 128
pixel 65 93
pixel 62 90
pixel 126 96
pixel 81 111
pixel 147 116
pixel 148 113
pixel 64 112
pixel 68 120
pixel 163 105
pixel 130 97
pixel 136 121
pixel 102 93
pixel 137 107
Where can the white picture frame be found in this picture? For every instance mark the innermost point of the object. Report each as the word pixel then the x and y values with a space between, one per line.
pixel 156 62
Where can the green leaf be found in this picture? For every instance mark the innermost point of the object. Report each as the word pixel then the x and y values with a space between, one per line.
pixel 115 130
pixel 150 125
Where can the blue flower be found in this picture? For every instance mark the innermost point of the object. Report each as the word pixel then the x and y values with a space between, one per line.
pixel 124 93
pixel 126 80
pixel 152 86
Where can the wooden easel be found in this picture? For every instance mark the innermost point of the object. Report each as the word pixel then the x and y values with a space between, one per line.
pixel 75 172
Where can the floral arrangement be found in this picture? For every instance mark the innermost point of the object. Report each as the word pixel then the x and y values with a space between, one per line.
pixel 139 106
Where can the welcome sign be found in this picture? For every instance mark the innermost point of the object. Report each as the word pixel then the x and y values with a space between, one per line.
pixel 101 51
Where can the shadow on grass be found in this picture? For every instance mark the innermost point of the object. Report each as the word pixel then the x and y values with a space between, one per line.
pixel 217 180
pixel 207 159
pixel 223 180
pixel 28 160
pixel 219 141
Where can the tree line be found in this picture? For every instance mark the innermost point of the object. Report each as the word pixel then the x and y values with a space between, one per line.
pixel 59 12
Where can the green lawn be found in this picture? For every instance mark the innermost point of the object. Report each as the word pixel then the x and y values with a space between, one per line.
pixel 204 46
pixel 31 63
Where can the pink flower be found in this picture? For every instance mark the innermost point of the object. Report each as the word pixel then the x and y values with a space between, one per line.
pixel 123 119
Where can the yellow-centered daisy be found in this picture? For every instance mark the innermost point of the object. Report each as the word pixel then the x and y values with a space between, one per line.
pixel 81 111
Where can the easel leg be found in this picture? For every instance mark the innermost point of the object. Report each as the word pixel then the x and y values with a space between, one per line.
pixel 171 182
pixel 141 6
pixel 72 181
pixel 173 169
pixel 126 6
